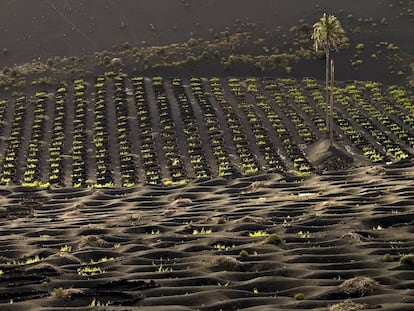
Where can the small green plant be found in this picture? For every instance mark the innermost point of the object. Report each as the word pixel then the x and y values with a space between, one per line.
pixel 33 260
pixel 287 221
pixel 89 271
pixel 274 239
pixel 1 272
pixel 101 260
pixel 407 259
pixel 97 303
pixel 357 62
pixel 65 249
pixel 202 231
pixel 360 46
pixel 304 235
pixel 162 269
pixel 117 245
pixel 222 247
pixel 93 303
pixel 258 234
pixel 387 258
pixel 299 296
pixel 244 253
pixel 392 47
pixel 378 228
pixel 28 261
pixel 255 291
pixel 223 285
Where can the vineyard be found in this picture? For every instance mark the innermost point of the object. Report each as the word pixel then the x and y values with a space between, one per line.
pixel 118 131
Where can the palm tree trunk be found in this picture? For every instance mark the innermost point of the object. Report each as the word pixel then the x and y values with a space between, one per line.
pixel 331 105
pixel 327 61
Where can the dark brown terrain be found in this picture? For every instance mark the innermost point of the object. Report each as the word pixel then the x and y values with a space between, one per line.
pixel 32 29
pixel 170 155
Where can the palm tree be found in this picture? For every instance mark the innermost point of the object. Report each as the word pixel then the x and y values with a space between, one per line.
pixel 328 34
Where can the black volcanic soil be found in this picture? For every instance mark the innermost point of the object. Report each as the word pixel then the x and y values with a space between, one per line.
pixel 206 245
pixel 190 248
pixel 40 29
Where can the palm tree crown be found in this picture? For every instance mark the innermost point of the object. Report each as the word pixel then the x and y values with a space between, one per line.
pixel 328 33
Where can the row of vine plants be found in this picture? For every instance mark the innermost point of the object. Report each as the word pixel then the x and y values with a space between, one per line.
pixel 212 127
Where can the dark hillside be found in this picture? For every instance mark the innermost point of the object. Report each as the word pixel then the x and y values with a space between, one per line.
pixel 33 29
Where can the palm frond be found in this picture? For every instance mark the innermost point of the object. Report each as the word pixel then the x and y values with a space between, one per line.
pixel 327 33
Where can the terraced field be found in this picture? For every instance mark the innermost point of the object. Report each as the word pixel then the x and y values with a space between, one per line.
pixel 253 243
pixel 118 131
pixel 153 158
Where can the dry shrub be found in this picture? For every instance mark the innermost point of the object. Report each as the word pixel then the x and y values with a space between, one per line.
pixel 136 217
pixel 64 293
pixel 182 202
pixel 359 285
pixel 375 170
pixel 251 219
pixel 226 263
pixel 169 212
pixel 92 241
pixel 67 257
pixel 98 193
pixel 347 305
pixel 70 214
pixel 353 237
pixel 254 186
pixel 79 206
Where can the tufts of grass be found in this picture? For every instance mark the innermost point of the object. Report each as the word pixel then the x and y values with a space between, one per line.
pixel 258 234
pixel 33 260
pixel 202 231
pixel 163 269
pixel 102 260
pixel 97 303
pixel 304 235
pixel 28 261
pixel 65 249
pixel 90 271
